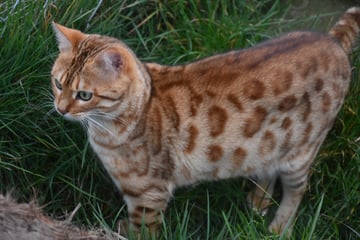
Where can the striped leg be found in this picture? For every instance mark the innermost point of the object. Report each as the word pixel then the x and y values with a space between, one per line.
pixel 260 198
pixel 294 184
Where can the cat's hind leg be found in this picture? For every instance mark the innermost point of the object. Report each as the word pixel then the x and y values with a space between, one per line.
pixel 294 184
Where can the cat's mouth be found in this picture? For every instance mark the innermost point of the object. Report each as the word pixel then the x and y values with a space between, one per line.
pixel 69 116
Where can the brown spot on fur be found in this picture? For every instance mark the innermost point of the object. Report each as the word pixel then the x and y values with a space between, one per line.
pixel 121 128
pixel 286 123
pixel 309 67
pixel 254 89
pixel 217 120
pixel 227 78
pixel 214 153
pixel 273 120
pixel 306 134
pixel 165 169
pixel 305 70
pixel 267 144
pixel 210 93
pixel 326 102
pixel 139 130
pixel 235 101
pixel 287 103
pixel 319 84
pixel 306 106
pixel 171 111
pixel 282 84
pixel 156 130
pixel 287 145
pixel 193 133
pixel 254 123
pixel 239 156
pixel 196 100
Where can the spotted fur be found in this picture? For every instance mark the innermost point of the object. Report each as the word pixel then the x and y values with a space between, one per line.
pixel 261 112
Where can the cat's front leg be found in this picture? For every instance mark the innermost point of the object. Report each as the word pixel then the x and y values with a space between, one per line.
pixel 145 208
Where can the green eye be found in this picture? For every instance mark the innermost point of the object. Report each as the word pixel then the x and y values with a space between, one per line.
pixel 58 84
pixel 85 96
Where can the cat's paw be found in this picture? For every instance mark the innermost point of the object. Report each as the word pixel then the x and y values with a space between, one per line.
pixel 281 226
pixel 127 229
pixel 123 227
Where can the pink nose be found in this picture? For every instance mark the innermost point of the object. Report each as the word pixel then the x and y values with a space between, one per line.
pixel 62 111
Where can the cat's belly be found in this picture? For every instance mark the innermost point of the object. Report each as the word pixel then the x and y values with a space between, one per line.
pixel 190 170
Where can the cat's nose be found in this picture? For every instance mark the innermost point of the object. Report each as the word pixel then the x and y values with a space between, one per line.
pixel 62 111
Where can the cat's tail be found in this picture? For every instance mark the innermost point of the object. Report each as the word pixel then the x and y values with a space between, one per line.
pixel 346 30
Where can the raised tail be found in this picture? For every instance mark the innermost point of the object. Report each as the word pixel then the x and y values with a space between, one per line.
pixel 347 28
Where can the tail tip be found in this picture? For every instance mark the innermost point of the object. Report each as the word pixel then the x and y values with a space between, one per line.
pixel 347 28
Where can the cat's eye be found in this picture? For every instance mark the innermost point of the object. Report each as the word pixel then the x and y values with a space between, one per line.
pixel 85 96
pixel 58 84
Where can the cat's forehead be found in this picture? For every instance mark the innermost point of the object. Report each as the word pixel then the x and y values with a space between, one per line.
pixel 71 64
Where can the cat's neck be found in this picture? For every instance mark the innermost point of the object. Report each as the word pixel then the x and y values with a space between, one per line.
pixel 140 112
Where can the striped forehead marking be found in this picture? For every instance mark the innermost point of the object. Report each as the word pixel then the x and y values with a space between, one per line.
pixel 87 49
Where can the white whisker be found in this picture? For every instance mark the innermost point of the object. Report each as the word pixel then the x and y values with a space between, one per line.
pixel 99 126
pixel 85 124
pixel 107 116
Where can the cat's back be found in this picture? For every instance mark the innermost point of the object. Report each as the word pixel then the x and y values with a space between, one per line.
pixel 303 55
pixel 296 63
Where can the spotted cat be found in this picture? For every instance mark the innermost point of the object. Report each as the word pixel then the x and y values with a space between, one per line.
pixel 260 112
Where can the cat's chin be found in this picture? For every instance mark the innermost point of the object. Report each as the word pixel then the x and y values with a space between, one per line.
pixel 70 117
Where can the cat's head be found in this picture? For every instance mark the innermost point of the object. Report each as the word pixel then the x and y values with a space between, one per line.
pixel 96 76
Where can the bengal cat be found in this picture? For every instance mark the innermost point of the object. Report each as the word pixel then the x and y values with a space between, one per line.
pixel 260 112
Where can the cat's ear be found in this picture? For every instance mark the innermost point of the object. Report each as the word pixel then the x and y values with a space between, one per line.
pixel 68 39
pixel 110 60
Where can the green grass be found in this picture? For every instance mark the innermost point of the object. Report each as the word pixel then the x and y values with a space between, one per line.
pixel 44 156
